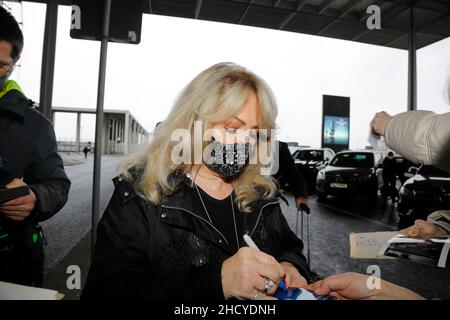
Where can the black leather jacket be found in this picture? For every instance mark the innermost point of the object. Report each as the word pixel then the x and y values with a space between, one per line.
pixel 172 252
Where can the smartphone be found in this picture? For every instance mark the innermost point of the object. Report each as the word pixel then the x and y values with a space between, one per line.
pixel 13 193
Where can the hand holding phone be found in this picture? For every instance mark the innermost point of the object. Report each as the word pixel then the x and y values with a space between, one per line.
pixel 17 202
pixel 13 193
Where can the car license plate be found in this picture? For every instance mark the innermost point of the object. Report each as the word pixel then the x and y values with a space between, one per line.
pixel 339 185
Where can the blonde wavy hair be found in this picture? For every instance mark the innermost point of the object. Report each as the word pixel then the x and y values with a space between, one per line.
pixel 215 95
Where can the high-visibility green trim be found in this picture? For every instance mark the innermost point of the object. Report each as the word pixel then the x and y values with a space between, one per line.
pixel 10 85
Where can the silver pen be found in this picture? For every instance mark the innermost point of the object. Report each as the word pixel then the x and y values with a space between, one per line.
pixel 250 242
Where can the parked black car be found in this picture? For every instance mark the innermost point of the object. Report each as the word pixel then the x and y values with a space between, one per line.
pixel 351 173
pixel 426 191
pixel 309 162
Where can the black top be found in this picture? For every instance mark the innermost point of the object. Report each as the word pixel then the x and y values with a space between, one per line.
pixel 221 214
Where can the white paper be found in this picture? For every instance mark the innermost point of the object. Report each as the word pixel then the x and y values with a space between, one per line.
pixel 440 240
pixel 368 245
pixel 377 144
pixel 403 239
pixel 444 254
pixel 11 291
pixel 306 295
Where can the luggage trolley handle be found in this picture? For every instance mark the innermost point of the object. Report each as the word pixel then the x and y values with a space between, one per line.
pixel 304 209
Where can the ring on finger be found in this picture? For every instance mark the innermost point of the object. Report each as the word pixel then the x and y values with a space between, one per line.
pixel 258 295
pixel 268 284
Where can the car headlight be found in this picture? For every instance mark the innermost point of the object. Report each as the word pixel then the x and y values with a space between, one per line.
pixel 321 175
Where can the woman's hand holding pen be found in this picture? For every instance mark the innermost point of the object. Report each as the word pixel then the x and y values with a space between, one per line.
pixel 250 274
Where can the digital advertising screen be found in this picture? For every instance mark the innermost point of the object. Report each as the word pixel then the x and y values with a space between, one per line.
pixel 336 130
pixel 336 123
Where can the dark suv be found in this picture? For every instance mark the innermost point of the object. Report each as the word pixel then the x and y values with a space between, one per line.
pixel 351 173
pixel 427 190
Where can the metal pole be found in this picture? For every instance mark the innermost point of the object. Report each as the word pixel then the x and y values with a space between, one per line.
pixel 99 123
pixel 412 64
pixel 126 137
pixel 78 133
pixel 48 59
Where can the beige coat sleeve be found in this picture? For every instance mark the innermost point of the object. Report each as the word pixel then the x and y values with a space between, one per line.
pixel 422 137
pixel 441 218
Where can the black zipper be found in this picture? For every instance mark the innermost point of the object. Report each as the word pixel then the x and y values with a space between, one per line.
pixel 196 216
pixel 259 216
pixel 210 224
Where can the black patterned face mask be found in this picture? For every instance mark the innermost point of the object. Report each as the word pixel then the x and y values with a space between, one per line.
pixel 228 160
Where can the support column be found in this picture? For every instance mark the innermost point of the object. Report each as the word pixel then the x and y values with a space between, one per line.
pixel 111 137
pixel 48 59
pixel 133 132
pixel 134 135
pixel 99 124
pixel 122 132
pixel 121 136
pixel 412 64
pixel 138 142
pixel 126 136
pixel 77 137
pixel 110 134
pixel 136 139
pixel 106 136
pixel 116 125
pixel 137 135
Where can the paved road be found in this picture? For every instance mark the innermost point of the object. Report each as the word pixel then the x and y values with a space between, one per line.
pixel 68 226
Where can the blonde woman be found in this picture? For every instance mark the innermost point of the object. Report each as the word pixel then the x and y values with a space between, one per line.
pixel 174 230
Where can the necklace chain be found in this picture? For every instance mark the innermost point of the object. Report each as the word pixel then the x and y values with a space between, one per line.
pixel 209 217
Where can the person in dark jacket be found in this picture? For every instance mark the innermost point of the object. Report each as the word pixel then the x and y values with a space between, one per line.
pixel 288 172
pixel 390 175
pixel 28 157
pixel 85 151
pixel 173 230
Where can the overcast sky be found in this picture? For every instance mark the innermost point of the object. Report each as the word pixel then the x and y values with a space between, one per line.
pixel 146 78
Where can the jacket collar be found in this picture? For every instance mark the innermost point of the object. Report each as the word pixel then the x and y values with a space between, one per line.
pixel 13 104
